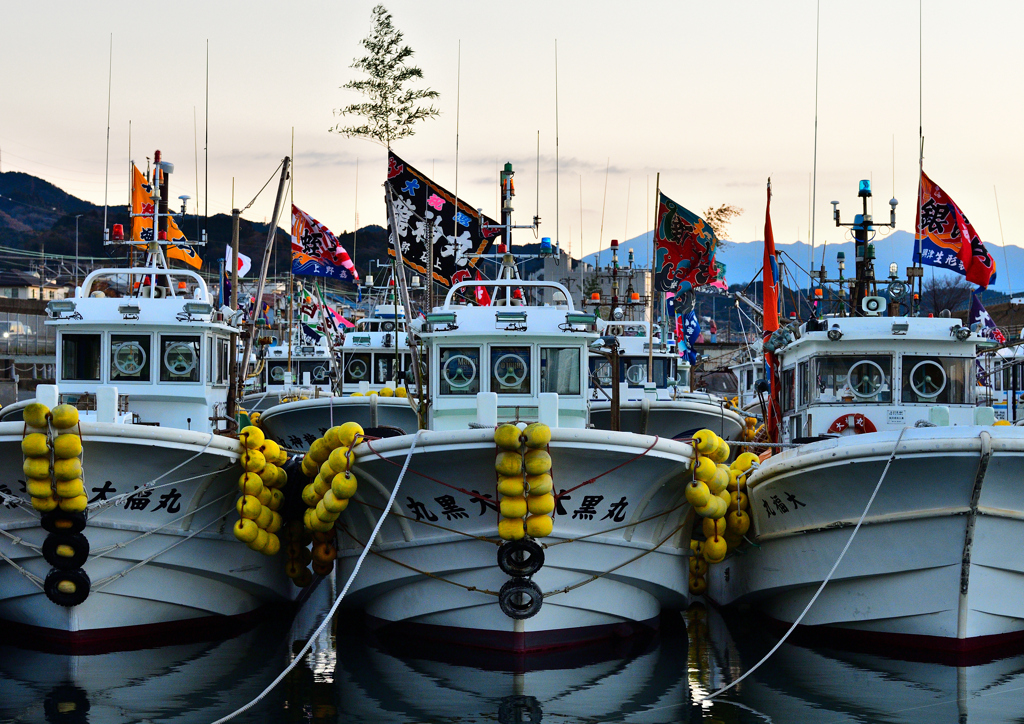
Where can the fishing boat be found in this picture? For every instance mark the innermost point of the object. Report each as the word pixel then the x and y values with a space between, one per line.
pixel 147 546
pixel 616 554
pixel 452 561
pixel 297 368
pixel 654 395
pixel 935 564
pixel 370 388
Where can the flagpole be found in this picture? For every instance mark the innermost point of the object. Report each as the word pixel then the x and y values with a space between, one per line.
pixel 920 144
pixel 327 330
pixel 651 296
pixel 291 276
pixel 404 290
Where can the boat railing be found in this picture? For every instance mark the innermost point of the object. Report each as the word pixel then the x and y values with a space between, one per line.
pixel 510 284
pixel 201 293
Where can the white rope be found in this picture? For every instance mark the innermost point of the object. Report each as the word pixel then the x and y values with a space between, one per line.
pixel 20 541
pixel 30 576
pixel 20 502
pixel 348 583
pixel 104 581
pixel 123 496
pixel 100 552
pixel 821 588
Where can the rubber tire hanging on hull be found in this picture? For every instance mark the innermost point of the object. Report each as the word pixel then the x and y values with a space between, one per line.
pixel 510 595
pixel 77 542
pixel 78 577
pixel 520 558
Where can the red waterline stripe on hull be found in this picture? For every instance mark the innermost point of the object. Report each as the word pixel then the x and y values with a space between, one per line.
pixel 911 647
pixel 146 636
pixel 528 642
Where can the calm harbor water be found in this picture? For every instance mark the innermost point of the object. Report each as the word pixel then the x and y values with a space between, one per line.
pixel 356 677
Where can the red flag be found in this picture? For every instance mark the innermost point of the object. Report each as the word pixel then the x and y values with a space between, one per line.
pixel 483 299
pixel 770 302
pixel 942 229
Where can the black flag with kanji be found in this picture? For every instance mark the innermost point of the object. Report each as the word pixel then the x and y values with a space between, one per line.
pixel 421 209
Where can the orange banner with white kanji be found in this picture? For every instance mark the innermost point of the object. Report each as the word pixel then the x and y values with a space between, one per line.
pixel 142 225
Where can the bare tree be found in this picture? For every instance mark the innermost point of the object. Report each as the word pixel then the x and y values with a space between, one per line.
pixel 720 218
pixel 391 109
pixel 946 292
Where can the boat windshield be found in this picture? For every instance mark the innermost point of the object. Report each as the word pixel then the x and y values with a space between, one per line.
pixel 859 379
pixel 938 380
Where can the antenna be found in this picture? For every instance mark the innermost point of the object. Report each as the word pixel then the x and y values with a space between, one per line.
pixel 458 108
pixel 106 174
pixel 558 244
pixel 536 214
pixel 814 172
pixel 625 232
pixel 206 146
pixel 195 132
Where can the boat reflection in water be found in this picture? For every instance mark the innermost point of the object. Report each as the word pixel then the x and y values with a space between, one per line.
pixel 185 683
pixel 635 679
pixel 810 683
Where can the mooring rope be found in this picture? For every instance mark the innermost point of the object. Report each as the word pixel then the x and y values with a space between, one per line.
pixel 330 614
pixel 824 583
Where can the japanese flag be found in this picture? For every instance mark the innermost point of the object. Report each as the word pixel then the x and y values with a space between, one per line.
pixel 244 262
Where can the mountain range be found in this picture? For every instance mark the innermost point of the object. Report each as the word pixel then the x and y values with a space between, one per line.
pixel 743 259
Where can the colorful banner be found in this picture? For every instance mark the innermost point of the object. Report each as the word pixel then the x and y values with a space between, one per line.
pixel 317 252
pixel 423 209
pixel 142 226
pixel 988 325
pixel 941 229
pixel 684 249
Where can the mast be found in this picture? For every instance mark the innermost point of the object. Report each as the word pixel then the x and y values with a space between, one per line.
pixel 268 252
pixel 650 329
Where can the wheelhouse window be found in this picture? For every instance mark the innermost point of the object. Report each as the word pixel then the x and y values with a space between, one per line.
pixel 277 372
pixel 80 357
pixel 179 358
pixel 319 372
pixel 383 368
pixel 938 380
pixel 560 370
pixel 130 357
pixel 788 390
pixel 357 367
pixel 223 361
pixel 460 370
pixel 860 379
pixel 600 372
pixel 510 370
pixel 805 382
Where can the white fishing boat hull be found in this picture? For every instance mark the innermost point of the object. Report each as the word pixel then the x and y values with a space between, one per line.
pixel 937 563
pixel 434 565
pixel 297 424
pixel 193 571
pixel 674 419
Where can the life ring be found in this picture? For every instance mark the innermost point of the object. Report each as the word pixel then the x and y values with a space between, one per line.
pixel 520 557
pixel 860 425
pixel 520 598
pixel 66 551
pixel 75 585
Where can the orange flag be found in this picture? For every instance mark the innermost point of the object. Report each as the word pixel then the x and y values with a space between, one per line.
pixel 142 226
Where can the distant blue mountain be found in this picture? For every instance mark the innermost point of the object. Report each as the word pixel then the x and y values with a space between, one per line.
pixel 743 258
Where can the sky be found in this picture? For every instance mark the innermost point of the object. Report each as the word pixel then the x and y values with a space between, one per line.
pixel 714 96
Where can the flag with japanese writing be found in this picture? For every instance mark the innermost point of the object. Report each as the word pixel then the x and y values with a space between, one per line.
pixel 988 325
pixel 684 249
pixel 317 252
pixel 719 281
pixel 942 229
pixel 142 222
pixel 483 298
pixel 422 210
pixel 770 323
pixel 690 336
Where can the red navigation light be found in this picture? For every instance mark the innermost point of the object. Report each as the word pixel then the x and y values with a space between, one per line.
pixel 162 236
pixel 118 232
